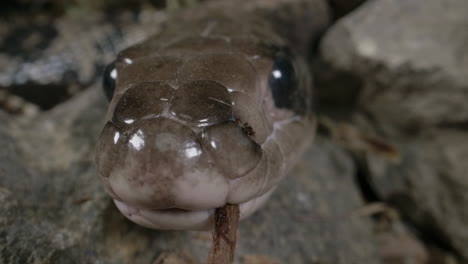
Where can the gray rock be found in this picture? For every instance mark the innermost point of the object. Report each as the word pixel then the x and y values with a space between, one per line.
pixel 429 185
pixel 411 57
pixel 66 51
pixel 406 65
pixel 343 7
pixel 54 210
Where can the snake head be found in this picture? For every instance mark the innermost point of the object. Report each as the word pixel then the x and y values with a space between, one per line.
pixel 198 123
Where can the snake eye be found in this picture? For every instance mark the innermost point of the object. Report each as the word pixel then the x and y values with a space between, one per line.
pixel 108 82
pixel 283 81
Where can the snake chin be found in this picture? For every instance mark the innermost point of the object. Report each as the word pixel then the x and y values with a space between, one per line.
pixel 178 219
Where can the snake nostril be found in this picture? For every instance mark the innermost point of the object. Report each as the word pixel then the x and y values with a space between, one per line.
pixel 234 152
pixel 246 128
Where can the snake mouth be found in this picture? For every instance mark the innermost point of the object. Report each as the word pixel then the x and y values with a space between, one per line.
pixel 179 219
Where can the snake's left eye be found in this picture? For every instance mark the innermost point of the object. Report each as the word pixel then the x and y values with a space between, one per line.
pixel 109 79
pixel 283 81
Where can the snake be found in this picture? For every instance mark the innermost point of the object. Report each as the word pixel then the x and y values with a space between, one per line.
pixel 214 109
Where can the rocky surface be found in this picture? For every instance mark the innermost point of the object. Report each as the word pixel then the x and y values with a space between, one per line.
pixel 405 64
pixel 343 7
pixel 46 59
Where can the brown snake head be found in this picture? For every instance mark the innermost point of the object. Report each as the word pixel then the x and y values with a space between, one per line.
pixel 202 119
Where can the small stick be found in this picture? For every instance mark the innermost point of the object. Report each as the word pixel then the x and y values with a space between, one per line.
pixel 224 236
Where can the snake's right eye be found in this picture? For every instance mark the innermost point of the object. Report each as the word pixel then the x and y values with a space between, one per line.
pixel 283 81
pixel 108 82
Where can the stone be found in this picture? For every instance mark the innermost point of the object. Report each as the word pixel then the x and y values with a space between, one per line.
pixel 402 65
pixel 342 7
pixel 412 67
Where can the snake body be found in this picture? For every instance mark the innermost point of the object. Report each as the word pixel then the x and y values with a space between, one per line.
pixel 214 109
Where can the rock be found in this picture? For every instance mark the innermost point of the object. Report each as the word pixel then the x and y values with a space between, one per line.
pixel 45 59
pixel 412 66
pixel 255 259
pixel 406 63
pixel 428 185
pixel 343 7
pixel 54 209
pixel 174 258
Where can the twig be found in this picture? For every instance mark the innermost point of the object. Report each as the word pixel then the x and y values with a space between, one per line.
pixel 224 236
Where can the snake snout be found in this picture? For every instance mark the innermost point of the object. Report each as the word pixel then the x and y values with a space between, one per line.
pixel 179 152
pixel 160 164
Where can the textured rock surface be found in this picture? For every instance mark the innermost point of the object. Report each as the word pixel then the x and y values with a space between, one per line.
pixel 406 63
pixel 413 66
pixel 342 7
pixel 46 59
pixel 54 209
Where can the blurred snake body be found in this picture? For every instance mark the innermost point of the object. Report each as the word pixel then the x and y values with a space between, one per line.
pixel 214 109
